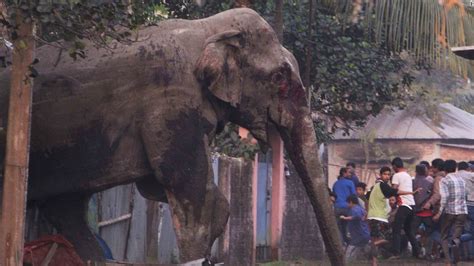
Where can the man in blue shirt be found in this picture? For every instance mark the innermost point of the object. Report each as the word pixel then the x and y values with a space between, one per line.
pixel 357 226
pixel 352 172
pixel 343 188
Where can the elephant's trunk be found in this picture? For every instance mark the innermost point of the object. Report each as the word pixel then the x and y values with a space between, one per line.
pixel 300 142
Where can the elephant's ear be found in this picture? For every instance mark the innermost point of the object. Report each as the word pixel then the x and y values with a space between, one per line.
pixel 219 66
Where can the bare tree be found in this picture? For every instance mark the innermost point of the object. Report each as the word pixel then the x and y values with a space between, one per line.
pixel 243 3
pixel 279 19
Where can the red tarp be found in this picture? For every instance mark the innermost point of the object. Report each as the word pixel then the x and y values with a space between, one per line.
pixel 36 251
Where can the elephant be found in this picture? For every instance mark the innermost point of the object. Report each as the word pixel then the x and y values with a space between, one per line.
pixel 146 112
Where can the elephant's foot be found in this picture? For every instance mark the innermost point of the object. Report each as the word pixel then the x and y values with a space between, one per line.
pixel 198 225
pixel 68 214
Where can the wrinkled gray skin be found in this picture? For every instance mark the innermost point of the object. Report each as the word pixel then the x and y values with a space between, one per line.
pixel 146 113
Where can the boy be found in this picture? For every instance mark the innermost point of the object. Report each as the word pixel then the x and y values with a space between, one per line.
pixel 357 226
pixel 360 191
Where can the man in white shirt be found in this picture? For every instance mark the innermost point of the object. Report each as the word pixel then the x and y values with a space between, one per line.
pixel 404 217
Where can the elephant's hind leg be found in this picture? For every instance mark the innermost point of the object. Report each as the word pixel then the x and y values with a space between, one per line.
pixel 179 154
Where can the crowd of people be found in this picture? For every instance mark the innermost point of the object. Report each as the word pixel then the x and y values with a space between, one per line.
pixel 430 215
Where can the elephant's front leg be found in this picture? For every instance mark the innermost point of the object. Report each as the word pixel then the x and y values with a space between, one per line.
pixel 178 152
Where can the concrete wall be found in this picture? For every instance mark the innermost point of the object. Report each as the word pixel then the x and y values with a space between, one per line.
pixel 241 250
pixel 301 238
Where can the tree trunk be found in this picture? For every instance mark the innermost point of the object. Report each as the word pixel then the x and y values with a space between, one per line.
pixel 3 12
pixel 17 147
pixel 4 35
pixel 279 19
pixel 309 49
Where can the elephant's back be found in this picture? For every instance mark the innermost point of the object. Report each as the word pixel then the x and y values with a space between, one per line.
pixel 76 93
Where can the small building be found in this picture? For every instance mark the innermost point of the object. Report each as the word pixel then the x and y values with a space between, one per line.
pixel 413 134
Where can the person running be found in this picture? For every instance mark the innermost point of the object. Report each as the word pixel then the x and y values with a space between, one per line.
pixel 422 216
pixel 437 171
pixel 437 167
pixel 377 215
pixel 467 175
pixel 357 227
pixel 404 218
pixel 343 188
pixel 453 207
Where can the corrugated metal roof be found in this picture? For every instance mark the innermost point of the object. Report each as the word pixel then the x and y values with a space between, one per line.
pixel 464 51
pixel 467 147
pixel 411 123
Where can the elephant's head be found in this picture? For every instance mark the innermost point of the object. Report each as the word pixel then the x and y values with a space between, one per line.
pixel 245 66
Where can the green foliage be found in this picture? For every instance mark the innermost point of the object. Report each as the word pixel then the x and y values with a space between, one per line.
pixel 230 143
pixel 352 78
pixel 424 28
pixel 73 21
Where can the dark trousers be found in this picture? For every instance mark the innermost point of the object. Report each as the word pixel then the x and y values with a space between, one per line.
pixel 404 220
pixel 456 222
pixel 469 235
pixel 341 224
pixel 426 221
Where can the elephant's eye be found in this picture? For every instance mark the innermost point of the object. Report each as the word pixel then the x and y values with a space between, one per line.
pixel 277 78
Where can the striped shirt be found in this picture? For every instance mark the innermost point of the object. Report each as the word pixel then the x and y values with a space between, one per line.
pixel 468 178
pixel 453 195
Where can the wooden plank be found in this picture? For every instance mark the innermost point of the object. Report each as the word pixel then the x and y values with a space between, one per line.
pixel 153 220
pixel 113 203
pixel 137 235
pixel 115 220
pixel 167 245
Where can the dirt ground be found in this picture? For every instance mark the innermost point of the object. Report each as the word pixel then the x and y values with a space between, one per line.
pixel 401 262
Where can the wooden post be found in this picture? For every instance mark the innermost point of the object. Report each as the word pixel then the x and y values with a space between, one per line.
pixel 15 181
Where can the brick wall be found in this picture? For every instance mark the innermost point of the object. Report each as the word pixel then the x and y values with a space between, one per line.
pixel 412 151
pixel 457 153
